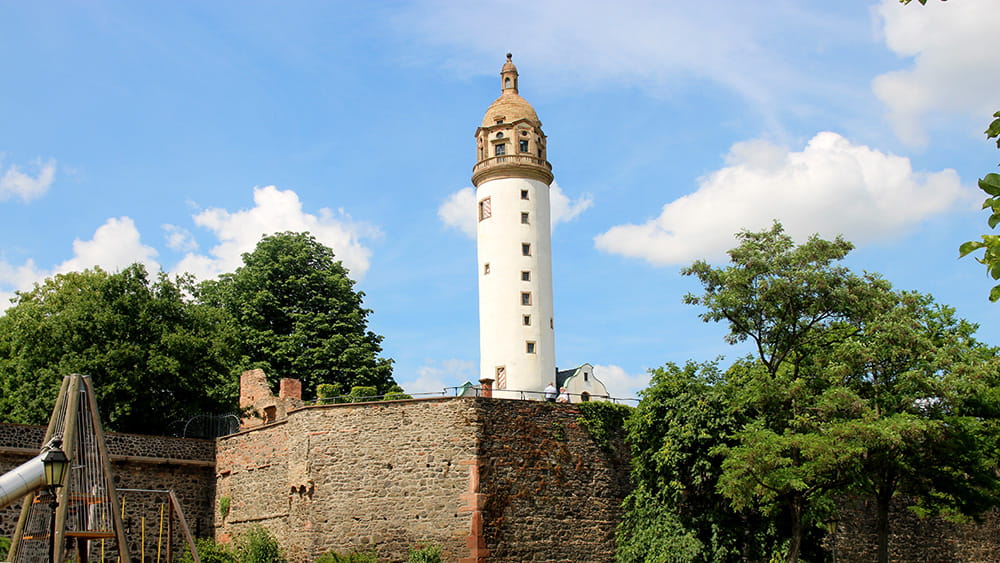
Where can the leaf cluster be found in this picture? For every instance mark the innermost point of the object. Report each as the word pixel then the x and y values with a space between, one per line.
pixel 990 184
pixel 154 355
pixel 298 315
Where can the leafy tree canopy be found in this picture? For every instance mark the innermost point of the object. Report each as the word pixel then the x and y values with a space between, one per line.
pixel 154 356
pixel 853 387
pixel 298 315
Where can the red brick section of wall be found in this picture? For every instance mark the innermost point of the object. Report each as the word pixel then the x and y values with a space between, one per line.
pixel 263 406
pixel 475 502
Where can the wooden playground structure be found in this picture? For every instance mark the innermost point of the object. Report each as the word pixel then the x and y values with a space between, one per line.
pixel 82 520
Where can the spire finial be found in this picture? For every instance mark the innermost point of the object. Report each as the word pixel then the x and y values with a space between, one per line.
pixel 509 75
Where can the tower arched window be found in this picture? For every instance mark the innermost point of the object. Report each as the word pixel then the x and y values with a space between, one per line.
pixel 506 82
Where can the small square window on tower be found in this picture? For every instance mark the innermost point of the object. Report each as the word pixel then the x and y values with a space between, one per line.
pixel 529 347
pixel 500 149
pixel 485 209
pixel 525 298
pixel 525 275
pixel 524 194
pixel 524 217
pixel 525 249
pixel 527 320
pixel 523 145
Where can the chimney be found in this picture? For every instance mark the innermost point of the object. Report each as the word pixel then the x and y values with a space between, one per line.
pixel 290 389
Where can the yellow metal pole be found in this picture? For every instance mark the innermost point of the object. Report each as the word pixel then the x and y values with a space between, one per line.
pixel 159 536
pixel 123 517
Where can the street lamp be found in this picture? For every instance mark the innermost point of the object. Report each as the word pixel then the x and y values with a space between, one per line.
pixel 55 463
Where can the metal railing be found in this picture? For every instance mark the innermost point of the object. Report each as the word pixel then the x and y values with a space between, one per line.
pixel 523 395
pixel 521 159
pixel 471 391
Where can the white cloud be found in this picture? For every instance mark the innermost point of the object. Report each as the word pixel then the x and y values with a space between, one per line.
pixel 751 48
pixel 620 383
pixel 831 187
pixel 115 245
pixel 276 211
pixel 179 238
pixel 459 209
pixel 564 209
pixel 954 65
pixel 17 278
pixel 14 183
pixel 434 376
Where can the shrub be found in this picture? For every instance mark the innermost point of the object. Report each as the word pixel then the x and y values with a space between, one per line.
pixel 210 552
pixel 4 546
pixel 257 545
pixel 224 505
pixel 396 396
pixel 363 393
pixel 327 393
pixel 425 554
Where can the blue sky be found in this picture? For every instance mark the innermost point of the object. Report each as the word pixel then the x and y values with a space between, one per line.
pixel 177 133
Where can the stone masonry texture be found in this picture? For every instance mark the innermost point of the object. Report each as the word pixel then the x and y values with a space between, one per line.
pixel 485 479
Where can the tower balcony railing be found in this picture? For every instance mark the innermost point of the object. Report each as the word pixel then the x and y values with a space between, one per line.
pixel 511 160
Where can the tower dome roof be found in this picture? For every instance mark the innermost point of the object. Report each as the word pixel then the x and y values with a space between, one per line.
pixel 510 106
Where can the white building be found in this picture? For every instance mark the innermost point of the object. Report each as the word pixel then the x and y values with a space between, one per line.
pixel 514 244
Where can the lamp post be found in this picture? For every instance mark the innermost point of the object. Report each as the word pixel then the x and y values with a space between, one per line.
pixel 55 463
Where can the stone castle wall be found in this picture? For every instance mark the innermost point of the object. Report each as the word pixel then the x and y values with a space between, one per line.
pixel 549 492
pixel 186 466
pixel 912 538
pixel 485 479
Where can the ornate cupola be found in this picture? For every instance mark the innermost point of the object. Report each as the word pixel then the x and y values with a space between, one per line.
pixel 510 142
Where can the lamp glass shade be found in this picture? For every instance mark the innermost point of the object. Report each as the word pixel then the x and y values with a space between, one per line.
pixel 56 463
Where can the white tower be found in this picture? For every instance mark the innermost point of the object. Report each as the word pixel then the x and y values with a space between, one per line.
pixel 514 242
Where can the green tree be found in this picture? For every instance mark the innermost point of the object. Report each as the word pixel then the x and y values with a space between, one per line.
pixel 789 301
pixel 154 356
pixel 917 391
pixel 854 387
pixel 675 512
pixel 298 315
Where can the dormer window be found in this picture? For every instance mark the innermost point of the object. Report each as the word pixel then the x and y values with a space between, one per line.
pixel 500 121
